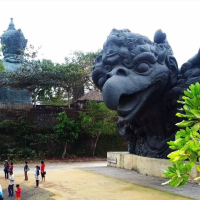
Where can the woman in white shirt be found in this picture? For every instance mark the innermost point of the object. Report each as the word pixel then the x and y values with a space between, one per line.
pixel 37 177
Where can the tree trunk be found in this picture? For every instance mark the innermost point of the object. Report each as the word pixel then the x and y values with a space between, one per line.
pixel 64 152
pixel 68 96
pixel 34 99
pixel 95 144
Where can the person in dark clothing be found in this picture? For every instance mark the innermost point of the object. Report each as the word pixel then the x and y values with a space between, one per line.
pixel 26 169
pixel 6 167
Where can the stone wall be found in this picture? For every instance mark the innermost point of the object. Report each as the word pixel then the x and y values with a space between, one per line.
pixel 44 117
pixel 15 106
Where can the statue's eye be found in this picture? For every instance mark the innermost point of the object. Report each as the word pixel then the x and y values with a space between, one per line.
pixel 101 81
pixel 142 67
pixel 140 41
pixel 108 68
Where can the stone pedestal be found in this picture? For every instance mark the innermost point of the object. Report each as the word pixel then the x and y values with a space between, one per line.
pixel 143 165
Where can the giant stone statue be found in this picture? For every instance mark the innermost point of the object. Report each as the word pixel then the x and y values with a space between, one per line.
pixel 141 80
pixel 13 43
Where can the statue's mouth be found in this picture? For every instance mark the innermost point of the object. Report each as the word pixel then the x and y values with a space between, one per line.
pixel 129 105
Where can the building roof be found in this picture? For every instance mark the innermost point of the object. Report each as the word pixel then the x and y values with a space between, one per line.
pixel 91 95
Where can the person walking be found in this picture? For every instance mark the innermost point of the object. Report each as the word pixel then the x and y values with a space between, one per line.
pixel 6 167
pixel 26 169
pixel 42 170
pixel 18 192
pixel 37 176
pixel 11 184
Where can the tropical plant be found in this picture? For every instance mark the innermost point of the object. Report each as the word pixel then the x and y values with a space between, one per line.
pixel 66 131
pixel 96 120
pixel 52 96
pixel 186 154
pixel 74 75
pixel 15 136
pixel 85 61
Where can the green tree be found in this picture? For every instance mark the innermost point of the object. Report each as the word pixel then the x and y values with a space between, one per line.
pixel 15 137
pixel 96 120
pixel 85 63
pixel 187 140
pixel 33 76
pixel 52 83
pixel 52 96
pixel 66 131
pixel 68 77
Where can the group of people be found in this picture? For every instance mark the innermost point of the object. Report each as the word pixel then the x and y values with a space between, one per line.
pixel 37 173
pixel 8 169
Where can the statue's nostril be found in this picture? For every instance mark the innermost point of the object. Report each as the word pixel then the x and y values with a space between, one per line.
pixel 108 75
pixel 122 72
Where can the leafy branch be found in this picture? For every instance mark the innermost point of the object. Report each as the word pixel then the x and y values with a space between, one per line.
pixel 187 140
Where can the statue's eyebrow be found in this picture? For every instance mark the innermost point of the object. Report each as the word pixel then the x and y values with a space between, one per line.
pixel 146 56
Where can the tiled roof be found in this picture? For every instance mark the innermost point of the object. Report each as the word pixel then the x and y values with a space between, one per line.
pixel 91 95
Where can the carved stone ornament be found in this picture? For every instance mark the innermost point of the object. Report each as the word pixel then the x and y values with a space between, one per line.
pixel 141 80
pixel 13 42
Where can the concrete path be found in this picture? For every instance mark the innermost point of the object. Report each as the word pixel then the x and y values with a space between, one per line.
pixel 100 167
pixel 189 190
pixel 19 168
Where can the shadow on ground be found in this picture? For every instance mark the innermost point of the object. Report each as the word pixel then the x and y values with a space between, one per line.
pixel 31 193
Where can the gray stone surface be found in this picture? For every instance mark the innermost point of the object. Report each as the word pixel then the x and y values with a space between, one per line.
pixel 189 190
pixel 13 42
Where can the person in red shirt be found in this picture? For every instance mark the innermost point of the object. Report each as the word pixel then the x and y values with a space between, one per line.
pixel 18 192
pixel 43 173
pixel 11 167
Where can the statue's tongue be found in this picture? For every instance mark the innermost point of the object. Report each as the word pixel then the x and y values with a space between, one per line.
pixel 127 103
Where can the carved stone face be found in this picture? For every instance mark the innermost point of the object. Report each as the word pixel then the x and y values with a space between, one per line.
pixel 130 72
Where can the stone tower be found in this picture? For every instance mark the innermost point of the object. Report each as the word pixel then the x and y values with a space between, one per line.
pixel 13 42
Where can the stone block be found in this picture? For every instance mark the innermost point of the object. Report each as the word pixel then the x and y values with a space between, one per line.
pixel 143 165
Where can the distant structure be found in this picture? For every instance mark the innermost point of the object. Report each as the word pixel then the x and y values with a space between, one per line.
pixel 13 42
pixel 93 95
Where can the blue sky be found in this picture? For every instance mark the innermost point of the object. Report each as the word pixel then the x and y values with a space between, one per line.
pixel 62 26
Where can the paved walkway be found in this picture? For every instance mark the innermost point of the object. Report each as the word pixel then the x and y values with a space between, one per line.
pixel 189 190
